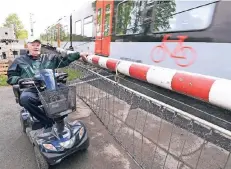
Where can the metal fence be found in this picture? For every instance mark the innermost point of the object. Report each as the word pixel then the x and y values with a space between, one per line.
pixel 155 135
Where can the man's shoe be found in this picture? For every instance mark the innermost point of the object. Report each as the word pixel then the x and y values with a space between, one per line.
pixel 46 131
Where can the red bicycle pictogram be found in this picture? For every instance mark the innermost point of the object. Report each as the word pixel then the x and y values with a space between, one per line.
pixel 176 54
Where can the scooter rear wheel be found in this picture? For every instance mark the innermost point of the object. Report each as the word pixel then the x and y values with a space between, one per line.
pixel 41 161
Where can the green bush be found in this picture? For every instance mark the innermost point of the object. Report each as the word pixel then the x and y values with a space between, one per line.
pixel 3 80
pixel 72 73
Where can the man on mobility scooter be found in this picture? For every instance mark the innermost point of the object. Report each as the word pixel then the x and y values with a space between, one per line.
pixel 34 82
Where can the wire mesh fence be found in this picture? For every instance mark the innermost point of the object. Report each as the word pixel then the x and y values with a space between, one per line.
pixel 154 134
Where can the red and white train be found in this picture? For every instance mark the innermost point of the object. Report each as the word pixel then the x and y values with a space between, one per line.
pixel 178 45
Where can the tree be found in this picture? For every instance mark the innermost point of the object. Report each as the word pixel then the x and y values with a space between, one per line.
pixel 14 20
pixel 124 16
pixel 22 34
pixel 52 32
pixel 164 11
pixel 131 21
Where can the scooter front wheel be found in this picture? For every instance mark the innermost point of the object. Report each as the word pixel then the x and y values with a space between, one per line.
pixel 40 160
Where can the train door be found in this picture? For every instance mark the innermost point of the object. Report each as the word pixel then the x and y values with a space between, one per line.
pixel 104 11
pixel 99 28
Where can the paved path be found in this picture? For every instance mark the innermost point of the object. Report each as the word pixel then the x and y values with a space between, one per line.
pixel 16 151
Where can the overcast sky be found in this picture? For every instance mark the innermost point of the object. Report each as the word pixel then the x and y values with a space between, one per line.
pixel 46 12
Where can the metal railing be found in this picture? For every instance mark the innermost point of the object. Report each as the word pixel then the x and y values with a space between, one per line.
pixel 154 134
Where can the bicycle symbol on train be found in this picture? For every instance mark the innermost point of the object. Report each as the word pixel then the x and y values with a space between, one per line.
pixel 178 54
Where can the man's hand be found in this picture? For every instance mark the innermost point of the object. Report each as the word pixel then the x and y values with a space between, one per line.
pixel 60 50
pixel 84 55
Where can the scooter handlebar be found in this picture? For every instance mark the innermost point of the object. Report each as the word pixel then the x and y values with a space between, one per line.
pixel 26 82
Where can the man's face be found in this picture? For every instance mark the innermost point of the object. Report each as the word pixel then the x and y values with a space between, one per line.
pixel 34 48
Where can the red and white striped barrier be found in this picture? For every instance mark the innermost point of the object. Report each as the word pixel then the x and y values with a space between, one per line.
pixel 210 89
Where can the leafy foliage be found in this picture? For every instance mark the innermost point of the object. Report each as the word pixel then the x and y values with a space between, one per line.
pixel 133 13
pixel 52 32
pixel 14 20
pixel 163 12
pixel 22 34
pixel 72 73
pixel 3 80
pixel 124 17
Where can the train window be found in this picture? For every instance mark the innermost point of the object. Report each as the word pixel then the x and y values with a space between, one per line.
pixel 107 20
pixel 150 1
pixel 78 27
pixel 180 6
pixel 88 20
pixel 167 18
pixel 88 26
pixel 99 22
pixel 129 17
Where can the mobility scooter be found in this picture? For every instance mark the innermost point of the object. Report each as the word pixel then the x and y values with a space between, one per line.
pixel 57 101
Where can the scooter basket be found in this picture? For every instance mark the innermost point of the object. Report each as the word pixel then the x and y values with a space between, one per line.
pixel 58 101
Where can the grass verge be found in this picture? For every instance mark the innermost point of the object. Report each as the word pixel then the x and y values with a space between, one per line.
pixel 72 73
pixel 3 80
